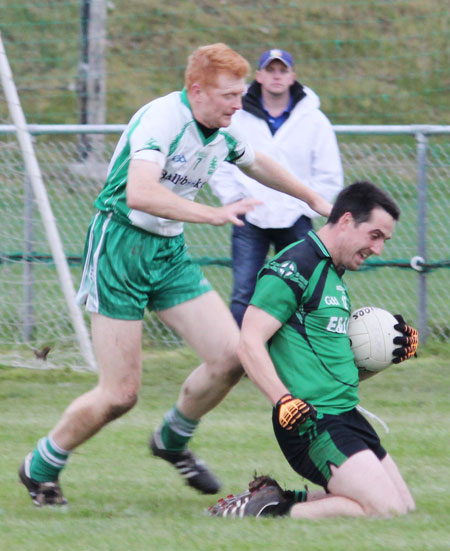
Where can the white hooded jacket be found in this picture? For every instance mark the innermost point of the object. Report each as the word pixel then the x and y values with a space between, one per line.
pixel 305 145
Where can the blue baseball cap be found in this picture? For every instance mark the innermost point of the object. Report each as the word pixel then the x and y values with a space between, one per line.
pixel 270 55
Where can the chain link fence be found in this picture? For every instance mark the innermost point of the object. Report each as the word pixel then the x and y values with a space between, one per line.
pixel 412 164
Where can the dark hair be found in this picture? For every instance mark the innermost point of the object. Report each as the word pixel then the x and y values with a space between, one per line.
pixel 360 199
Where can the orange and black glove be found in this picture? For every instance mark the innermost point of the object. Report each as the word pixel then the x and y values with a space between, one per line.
pixel 293 411
pixel 408 342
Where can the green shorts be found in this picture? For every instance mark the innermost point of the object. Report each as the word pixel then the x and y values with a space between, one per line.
pixel 330 440
pixel 127 270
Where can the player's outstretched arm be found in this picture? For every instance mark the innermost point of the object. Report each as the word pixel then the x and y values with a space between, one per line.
pixel 272 174
pixel 232 211
pixel 145 193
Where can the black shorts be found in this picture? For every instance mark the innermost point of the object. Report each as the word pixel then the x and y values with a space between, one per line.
pixel 328 441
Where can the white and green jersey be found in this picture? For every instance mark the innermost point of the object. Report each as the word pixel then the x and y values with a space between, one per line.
pixel 164 131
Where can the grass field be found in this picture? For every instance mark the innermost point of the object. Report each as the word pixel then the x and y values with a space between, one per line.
pixel 372 62
pixel 121 498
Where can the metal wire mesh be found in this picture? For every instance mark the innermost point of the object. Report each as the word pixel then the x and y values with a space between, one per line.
pixel 33 315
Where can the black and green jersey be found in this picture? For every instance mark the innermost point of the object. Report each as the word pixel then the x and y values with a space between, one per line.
pixel 311 352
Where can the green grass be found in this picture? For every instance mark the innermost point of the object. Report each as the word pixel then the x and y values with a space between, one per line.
pixel 372 62
pixel 120 497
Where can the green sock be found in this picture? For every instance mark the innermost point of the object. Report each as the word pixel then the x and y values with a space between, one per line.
pixel 300 496
pixel 48 460
pixel 177 430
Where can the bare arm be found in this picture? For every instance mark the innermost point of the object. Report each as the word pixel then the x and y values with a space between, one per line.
pixel 272 174
pixel 145 193
pixel 257 328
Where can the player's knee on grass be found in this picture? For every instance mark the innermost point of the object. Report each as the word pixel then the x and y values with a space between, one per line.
pixel 391 510
pixel 390 506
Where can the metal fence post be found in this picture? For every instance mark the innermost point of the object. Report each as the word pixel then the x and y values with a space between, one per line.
pixel 422 143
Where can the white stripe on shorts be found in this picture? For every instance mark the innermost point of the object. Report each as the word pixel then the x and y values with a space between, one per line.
pixel 88 291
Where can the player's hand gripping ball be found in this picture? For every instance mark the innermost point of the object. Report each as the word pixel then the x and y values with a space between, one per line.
pixel 293 411
pixel 409 341
pixel 378 338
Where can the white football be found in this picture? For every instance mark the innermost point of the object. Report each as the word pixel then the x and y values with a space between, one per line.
pixel 371 332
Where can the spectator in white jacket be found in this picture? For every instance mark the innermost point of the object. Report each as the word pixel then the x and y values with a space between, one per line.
pixel 282 119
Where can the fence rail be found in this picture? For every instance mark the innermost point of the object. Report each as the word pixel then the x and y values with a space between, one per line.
pixel 374 129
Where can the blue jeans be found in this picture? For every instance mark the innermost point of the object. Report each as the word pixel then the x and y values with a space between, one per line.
pixel 249 248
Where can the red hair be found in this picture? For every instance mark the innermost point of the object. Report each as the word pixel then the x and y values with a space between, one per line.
pixel 207 62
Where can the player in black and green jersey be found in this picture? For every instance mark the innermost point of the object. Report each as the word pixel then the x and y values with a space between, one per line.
pixel 294 346
pixel 303 290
